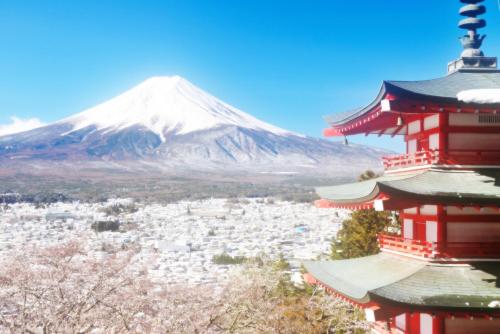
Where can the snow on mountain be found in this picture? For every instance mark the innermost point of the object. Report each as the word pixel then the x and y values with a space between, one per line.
pixel 168 122
pixel 166 105
pixel 19 125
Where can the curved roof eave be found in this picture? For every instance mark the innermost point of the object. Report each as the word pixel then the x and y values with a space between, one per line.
pixel 479 187
pixel 473 287
pixel 366 197
pixel 341 118
pixel 440 90
pixel 348 277
pixel 406 281
pixel 389 87
pixel 399 91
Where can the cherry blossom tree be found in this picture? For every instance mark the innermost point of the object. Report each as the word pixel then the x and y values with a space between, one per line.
pixel 61 289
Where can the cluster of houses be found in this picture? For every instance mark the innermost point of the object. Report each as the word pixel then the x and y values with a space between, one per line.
pixel 177 242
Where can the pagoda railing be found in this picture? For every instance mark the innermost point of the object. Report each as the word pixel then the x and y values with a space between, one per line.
pixel 400 244
pixel 410 160
pixel 428 249
pixel 434 157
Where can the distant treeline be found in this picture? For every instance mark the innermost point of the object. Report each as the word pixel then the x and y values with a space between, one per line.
pixel 38 198
pixel 25 188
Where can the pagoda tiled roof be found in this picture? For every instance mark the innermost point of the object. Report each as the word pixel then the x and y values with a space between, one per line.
pixel 440 186
pixel 355 278
pixel 409 281
pixel 440 90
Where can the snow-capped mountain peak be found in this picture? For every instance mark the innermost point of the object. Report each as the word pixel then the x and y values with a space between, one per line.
pixel 168 124
pixel 166 105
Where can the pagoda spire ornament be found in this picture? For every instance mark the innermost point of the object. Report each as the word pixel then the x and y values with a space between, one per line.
pixel 472 57
pixel 472 41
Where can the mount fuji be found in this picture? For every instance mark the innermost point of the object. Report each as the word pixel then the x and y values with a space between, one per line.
pixel 167 122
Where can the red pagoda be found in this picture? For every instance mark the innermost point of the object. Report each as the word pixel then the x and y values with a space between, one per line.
pixel 441 273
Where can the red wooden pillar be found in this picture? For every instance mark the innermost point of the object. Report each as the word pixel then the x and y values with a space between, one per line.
pixel 413 327
pixel 438 324
pixel 443 136
pixel 415 226
pixel 441 228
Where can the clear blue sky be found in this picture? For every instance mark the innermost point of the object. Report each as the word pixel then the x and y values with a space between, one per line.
pixel 287 62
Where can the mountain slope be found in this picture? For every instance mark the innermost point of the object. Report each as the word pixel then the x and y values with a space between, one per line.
pixel 166 105
pixel 169 122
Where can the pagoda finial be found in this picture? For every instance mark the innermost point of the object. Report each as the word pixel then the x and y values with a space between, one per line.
pixel 472 41
pixel 472 58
